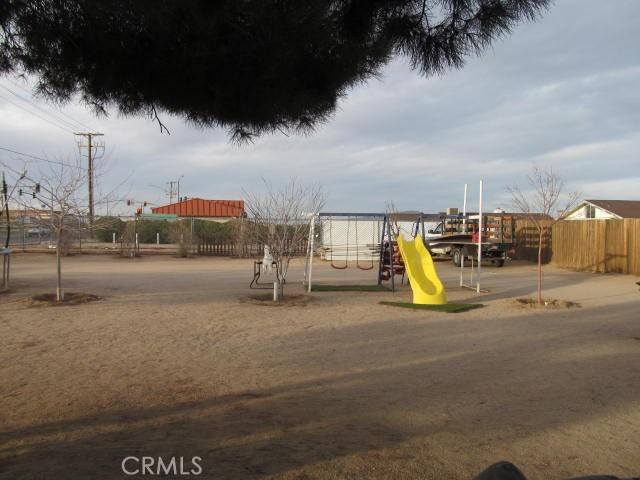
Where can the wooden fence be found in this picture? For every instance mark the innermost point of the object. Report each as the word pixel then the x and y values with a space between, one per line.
pixel 598 245
pixel 525 245
pixel 588 245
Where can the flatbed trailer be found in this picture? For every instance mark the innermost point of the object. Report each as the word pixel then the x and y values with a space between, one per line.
pixel 453 237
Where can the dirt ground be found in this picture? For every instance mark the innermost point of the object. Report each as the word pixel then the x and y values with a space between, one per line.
pixel 173 362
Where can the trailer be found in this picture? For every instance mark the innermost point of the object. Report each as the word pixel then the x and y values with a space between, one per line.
pixel 455 237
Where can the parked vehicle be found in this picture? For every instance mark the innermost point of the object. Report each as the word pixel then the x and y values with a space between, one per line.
pixel 457 236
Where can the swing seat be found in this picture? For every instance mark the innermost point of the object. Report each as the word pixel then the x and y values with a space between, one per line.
pixel 365 268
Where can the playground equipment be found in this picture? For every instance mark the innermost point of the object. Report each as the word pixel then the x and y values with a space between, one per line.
pixel 364 239
pixel 423 278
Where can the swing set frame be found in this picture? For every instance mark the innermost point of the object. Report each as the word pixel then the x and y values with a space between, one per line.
pixel 384 236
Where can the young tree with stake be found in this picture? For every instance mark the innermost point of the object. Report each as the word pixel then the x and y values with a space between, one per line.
pixel 62 204
pixel 281 221
pixel 544 205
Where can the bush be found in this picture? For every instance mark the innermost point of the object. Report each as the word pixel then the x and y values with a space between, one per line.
pixel 214 231
pixel 148 229
pixel 105 227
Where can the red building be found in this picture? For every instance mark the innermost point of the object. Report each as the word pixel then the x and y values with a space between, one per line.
pixel 199 207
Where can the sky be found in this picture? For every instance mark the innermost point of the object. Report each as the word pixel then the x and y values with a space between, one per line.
pixel 561 92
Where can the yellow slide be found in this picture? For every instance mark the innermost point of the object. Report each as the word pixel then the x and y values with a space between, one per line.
pixel 425 283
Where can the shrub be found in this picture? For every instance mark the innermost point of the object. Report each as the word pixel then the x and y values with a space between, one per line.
pixel 105 227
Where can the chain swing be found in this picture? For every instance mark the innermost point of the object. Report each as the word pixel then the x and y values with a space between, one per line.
pixel 346 261
pixel 370 267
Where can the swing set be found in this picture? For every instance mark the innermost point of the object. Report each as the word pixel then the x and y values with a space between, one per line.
pixel 344 247
pixel 363 240
pixel 343 238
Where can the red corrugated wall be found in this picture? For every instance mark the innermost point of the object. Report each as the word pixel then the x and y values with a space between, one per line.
pixel 198 207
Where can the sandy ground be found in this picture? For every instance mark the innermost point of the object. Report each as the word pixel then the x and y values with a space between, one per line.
pixel 173 362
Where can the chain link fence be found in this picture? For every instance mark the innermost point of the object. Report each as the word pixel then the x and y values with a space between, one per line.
pixel 132 236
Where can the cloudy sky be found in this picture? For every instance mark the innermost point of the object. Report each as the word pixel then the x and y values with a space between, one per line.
pixel 563 91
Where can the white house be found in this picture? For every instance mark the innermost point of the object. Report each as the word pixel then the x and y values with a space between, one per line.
pixel 605 209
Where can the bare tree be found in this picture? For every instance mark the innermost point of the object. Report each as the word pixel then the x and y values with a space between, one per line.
pixel 280 219
pixel 544 205
pixel 57 198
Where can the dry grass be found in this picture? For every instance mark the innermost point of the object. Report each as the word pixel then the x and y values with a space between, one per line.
pixel 550 303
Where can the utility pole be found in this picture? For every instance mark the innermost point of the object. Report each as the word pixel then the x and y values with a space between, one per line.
pixel 170 192
pixel 179 178
pixel 90 157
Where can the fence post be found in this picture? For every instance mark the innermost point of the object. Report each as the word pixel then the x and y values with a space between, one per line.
pixel 157 238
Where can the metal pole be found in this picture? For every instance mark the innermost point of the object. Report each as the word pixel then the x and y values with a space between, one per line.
pixel 381 263
pixel 464 230
pixel 479 239
pixel 464 210
pixel 313 231
pixel 90 179
pixel 391 252
pixel 305 271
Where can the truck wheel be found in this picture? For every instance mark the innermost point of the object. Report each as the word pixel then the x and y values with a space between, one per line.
pixel 456 256
pixel 499 263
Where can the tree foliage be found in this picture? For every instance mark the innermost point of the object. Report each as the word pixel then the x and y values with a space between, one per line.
pixel 250 66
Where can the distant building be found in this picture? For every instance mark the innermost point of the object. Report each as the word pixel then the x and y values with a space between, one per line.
pixel 605 209
pixel 198 207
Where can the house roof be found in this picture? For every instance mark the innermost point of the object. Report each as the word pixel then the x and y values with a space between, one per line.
pixel 622 208
pixel 199 207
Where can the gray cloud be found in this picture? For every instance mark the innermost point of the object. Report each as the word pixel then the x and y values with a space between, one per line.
pixel 561 92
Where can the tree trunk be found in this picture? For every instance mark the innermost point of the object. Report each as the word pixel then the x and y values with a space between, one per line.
pixel 59 291
pixel 540 238
pixel 282 275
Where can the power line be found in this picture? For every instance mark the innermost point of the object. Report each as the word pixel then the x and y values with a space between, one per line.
pixel 59 110
pixel 61 121
pixel 40 158
pixel 36 115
